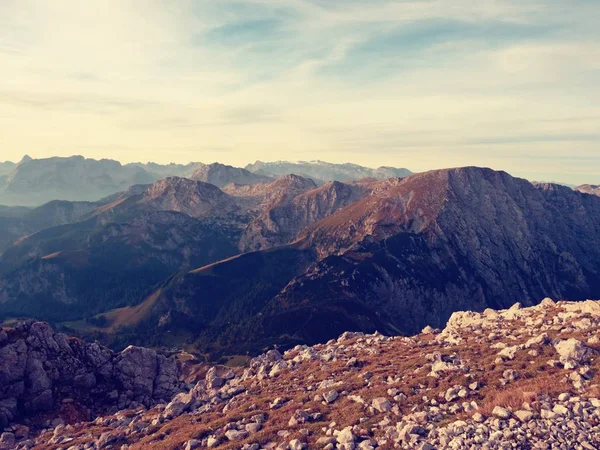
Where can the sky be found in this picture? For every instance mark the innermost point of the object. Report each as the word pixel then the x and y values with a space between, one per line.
pixel 508 84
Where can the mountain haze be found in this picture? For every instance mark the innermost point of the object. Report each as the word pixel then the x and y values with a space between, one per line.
pixel 32 182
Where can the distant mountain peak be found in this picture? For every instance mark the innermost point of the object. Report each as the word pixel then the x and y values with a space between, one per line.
pixel 192 197
pixel 222 175
pixel 322 171
pixel 180 187
pixel 296 180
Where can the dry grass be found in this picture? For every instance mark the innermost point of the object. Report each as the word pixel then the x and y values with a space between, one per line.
pixel 528 391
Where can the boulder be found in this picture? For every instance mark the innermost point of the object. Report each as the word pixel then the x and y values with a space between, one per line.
pixel 572 352
pixel 382 404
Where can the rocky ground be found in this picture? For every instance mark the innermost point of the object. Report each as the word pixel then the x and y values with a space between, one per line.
pixel 520 378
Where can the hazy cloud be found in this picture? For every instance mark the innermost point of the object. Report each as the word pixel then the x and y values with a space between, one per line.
pixel 421 83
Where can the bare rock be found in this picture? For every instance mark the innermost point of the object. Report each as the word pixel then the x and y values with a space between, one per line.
pixel 572 352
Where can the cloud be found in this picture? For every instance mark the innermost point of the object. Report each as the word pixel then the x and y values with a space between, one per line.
pixel 420 83
pixel 72 103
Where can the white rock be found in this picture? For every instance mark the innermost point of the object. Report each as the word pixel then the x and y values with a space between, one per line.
pixel 523 415
pixel 330 396
pixel 382 404
pixel 572 352
pixel 296 444
pixel 501 413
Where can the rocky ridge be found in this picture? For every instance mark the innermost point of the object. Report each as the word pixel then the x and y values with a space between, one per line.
pixel 589 189
pixel 516 378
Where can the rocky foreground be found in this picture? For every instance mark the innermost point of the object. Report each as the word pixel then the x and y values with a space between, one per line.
pixel 520 378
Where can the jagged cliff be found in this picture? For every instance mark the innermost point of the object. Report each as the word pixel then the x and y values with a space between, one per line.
pixel 46 374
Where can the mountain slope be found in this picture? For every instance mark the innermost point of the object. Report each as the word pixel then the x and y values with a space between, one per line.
pixel 209 302
pixel 118 252
pixel 461 239
pixel 284 218
pixel 5 169
pixel 88 269
pixel 434 243
pixel 18 222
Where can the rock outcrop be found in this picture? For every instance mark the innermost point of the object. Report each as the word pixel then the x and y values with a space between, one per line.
pixel 285 216
pixel 43 372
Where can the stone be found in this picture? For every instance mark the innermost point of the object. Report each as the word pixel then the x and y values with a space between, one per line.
pixel 478 417
pixel 192 444
pixel 382 404
pixel 253 427
pixel 346 437
pixel 296 444
pixel 212 442
pixel 330 396
pixel 501 413
pixel 180 403
pixel 236 435
pixel 523 415
pixel 299 417
pixel 572 352
pixel 7 441
pixel 213 380
pixel 561 410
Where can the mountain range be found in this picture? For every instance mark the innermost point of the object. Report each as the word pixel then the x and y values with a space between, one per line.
pixel 322 171
pixel 394 261
pixel 233 267
pixel 101 255
pixel 33 182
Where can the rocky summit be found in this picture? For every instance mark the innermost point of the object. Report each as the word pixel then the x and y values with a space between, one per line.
pixel 516 378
